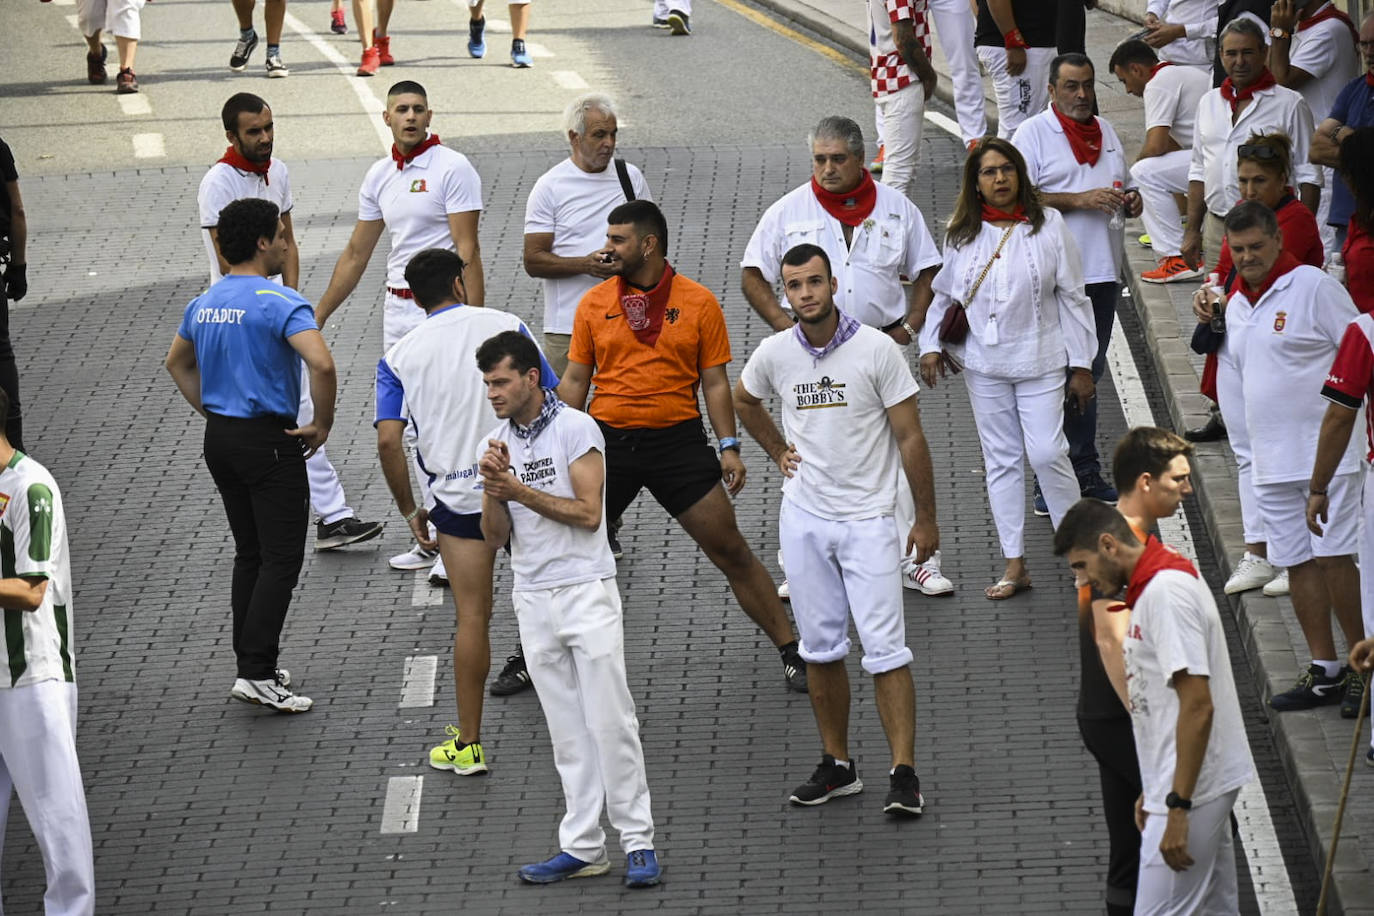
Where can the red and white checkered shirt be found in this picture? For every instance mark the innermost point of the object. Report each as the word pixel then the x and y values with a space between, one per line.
pixel 887 70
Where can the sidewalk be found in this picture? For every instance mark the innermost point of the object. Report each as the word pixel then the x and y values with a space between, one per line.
pixel 1313 745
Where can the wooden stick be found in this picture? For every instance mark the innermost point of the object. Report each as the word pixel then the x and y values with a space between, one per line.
pixel 1345 792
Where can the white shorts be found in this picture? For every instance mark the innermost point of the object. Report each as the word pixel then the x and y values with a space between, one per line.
pixel 1283 506
pixel 838 569
pixel 399 318
pixel 1367 550
pixel 1206 888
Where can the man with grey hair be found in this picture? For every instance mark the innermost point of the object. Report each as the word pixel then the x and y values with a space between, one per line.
pixel 874 235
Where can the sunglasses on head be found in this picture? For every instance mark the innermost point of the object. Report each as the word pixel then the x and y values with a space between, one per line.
pixel 1257 151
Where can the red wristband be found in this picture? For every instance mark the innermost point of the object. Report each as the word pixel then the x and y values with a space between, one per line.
pixel 1013 39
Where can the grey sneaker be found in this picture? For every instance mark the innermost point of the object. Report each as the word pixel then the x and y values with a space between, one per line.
pixel 351 530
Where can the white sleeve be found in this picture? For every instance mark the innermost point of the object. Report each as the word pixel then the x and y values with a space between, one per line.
pixel 942 302
pixel 756 375
pixel 921 251
pixel 369 207
pixel 462 188
pixel 1205 28
pixel 1197 165
pixel 213 197
pixel 764 250
pixel 287 202
pixel 1334 310
pixel 1161 102
pixel 638 182
pixel 1027 141
pixel 582 437
pixel 1179 635
pixel 1301 128
pixel 1075 309
pixel 1157 7
pixel 1316 54
pixel 894 378
pixel 540 213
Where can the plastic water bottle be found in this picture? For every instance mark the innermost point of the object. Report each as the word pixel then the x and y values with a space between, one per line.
pixel 1218 322
pixel 1118 220
pixel 1335 267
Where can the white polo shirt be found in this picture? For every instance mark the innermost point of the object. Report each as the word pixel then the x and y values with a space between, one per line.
pixel 1216 139
pixel 224 184
pixel 893 241
pixel 1327 51
pixel 1199 21
pixel 1171 98
pixel 573 205
pixel 545 553
pixel 1284 346
pixel 415 203
pixel 834 410
pixel 1054 170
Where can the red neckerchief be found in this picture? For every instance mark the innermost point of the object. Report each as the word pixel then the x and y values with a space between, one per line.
pixel 644 309
pixel 1283 265
pixel 1084 139
pixel 851 207
pixel 1154 560
pixel 234 158
pixel 1233 95
pixel 993 215
pixel 1328 12
pixel 1369 79
pixel 1158 67
pixel 402 160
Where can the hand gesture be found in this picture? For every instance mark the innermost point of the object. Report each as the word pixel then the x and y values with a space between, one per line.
pixel 1105 200
pixel 789 461
pixel 1174 846
pixel 599 264
pixel 17 279
pixel 1016 61
pixel 1316 512
pixel 1082 389
pixel 497 480
pixel 941 364
pixel 732 471
pixel 1284 15
pixel 419 528
pixel 1203 302
pixel 924 537
pixel 1362 655
pixel 1163 33
pixel 1192 246
pixel 312 437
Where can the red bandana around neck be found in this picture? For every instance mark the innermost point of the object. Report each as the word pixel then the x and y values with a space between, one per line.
pixel 402 160
pixel 644 309
pixel 1283 265
pixel 1329 12
pixel 1158 67
pixel 993 215
pixel 1233 95
pixel 851 207
pixel 1154 560
pixel 233 157
pixel 1369 79
pixel 1084 139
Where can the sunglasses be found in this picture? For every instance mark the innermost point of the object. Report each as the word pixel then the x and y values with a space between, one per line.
pixel 1257 151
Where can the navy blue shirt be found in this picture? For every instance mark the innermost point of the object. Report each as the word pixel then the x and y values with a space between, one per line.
pixel 1354 108
pixel 239 328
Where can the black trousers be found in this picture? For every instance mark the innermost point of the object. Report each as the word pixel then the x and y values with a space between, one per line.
pixel 9 377
pixel 1112 744
pixel 260 473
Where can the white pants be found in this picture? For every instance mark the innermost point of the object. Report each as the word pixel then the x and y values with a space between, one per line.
pixel 954 23
pixel 1238 433
pixel 38 760
pixel 574 647
pixel 663 7
pixel 400 317
pixel 1020 419
pixel 839 569
pixel 1022 96
pixel 1367 553
pixel 1328 232
pixel 326 493
pixel 1284 508
pixel 1208 887
pixel 118 17
pixel 902 114
pixel 1158 179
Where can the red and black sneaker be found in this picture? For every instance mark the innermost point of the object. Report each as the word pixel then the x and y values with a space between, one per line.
pixel 829 781
pixel 95 67
pixel 126 83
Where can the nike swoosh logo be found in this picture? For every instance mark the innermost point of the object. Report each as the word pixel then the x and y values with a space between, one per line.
pixel 616 315
pixel 1321 690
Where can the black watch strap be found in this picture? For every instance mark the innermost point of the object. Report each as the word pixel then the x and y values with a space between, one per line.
pixel 1174 800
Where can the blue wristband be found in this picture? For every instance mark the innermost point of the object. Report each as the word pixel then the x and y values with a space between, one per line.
pixel 728 442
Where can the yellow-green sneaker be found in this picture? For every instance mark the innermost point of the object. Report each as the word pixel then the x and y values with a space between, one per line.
pixel 1144 240
pixel 453 754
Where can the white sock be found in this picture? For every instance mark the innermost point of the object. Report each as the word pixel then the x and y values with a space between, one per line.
pixel 1332 669
pixel 842 763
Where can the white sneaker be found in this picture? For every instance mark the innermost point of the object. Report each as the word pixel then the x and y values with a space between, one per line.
pixel 284 677
pixel 925 577
pixel 437 574
pixel 784 592
pixel 1251 572
pixel 1278 585
pixel 270 692
pixel 414 558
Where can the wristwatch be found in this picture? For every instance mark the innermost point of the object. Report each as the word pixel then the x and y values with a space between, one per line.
pixel 910 331
pixel 1174 800
pixel 1277 32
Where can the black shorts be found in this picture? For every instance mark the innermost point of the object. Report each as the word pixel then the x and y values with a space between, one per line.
pixel 676 464
pixel 467 525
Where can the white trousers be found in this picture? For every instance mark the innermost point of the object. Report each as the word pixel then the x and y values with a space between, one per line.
pixel 574 647
pixel 1366 553
pixel 1229 399
pixel 326 492
pixel 1020 419
pixel 1327 232
pixel 662 7
pixel 1158 179
pixel 1022 96
pixel 38 761
pixel 399 318
pixel 118 17
pixel 902 114
pixel 1208 887
pixel 954 23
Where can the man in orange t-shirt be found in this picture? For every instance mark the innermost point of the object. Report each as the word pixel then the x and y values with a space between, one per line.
pixel 649 338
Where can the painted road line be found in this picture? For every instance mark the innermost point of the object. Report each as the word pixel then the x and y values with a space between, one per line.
pixel 149 146
pixel 417 681
pixel 401 811
pixel 361 85
pixel 423 594
pixel 73 21
pixel 537 50
pixel 568 79
pixel 773 25
pixel 64 2
pixel 948 125
pixel 136 104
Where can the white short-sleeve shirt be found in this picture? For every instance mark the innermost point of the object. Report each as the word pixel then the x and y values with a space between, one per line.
pixel 1054 170
pixel 224 184
pixel 1171 98
pixel 415 203
pixel 893 241
pixel 1199 21
pixel 573 205
pixel 545 553
pixel 1327 51
pixel 1216 139
pixel 834 410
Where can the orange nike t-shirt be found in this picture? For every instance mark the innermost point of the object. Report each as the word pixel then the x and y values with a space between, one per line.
pixel 644 387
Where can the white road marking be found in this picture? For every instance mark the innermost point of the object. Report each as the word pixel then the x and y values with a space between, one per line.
pixel 946 124
pixel 361 85
pixel 417 682
pixel 64 2
pixel 73 22
pixel 568 79
pixel 401 812
pixel 136 104
pixel 494 25
pixel 422 593
pixel 149 146
pixel 538 50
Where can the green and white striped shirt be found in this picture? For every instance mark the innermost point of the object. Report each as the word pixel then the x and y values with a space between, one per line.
pixel 35 645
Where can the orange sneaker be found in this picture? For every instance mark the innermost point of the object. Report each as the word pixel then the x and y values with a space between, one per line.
pixel 383 45
pixel 1172 269
pixel 372 59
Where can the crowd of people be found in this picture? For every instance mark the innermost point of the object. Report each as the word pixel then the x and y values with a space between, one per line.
pixel 1254 178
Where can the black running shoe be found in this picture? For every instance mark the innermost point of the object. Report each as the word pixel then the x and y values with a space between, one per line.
pixel 613 539
pixel 243 49
pixel 513 678
pixel 1313 689
pixel 351 530
pixel 829 781
pixel 1355 687
pixel 904 798
pixel 793 667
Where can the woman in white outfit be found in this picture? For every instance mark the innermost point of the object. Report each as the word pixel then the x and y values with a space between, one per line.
pixel 1014 270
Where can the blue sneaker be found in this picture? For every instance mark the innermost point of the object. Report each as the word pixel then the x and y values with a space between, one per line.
pixel 564 866
pixel 477 45
pixel 1092 486
pixel 641 868
pixel 519 55
pixel 1042 508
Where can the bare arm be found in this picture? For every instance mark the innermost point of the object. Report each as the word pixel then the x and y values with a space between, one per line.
pixel 1192 733
pixel 1103 199
pixel 1002 15
pixel 214 240
pixel 759 423
pixel 572 387
pixel 1157 143
pixel 463 228
pixel 349 269
pixel 496 521
pixel 19 225
pixel 1326 143
pixel 1109 631
pixel 761 296
pixel 1192 235
pixel 185 371
pixel 905 420
pixel 909 47
pixel 323 384
pixel 397 473
pixel 1337 424
pixel 1310 195
pixel 23 593
pixel 587 474
pixel 918 303
pixel 542 263
pixel 720 410
pixel 1284 17
pixel 291 270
